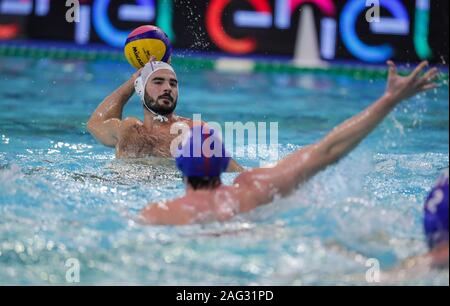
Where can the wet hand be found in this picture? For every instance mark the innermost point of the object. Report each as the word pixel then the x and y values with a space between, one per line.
pixel 400 88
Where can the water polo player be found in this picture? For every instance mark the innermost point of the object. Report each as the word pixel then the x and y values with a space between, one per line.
pixel 157 86
pixel 207 199
pixel 436 222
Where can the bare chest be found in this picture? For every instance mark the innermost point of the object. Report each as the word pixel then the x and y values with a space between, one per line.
pixel 137 142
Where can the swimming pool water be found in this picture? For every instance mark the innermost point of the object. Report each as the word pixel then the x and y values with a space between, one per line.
pixel 63 195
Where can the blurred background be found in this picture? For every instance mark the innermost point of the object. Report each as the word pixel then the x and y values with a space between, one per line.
pixel 311 31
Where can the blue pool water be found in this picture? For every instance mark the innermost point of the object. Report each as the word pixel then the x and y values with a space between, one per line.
pixel 63 195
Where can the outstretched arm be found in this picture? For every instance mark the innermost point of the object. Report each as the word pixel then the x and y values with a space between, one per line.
pixel 303 164
pixel 105 121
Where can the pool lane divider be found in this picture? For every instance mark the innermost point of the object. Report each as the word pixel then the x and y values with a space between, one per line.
pixel 234 65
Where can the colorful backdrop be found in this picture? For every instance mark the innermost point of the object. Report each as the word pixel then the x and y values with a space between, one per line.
pixel 406 30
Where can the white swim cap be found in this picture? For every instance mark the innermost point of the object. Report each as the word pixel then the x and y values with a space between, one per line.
pixel 146 72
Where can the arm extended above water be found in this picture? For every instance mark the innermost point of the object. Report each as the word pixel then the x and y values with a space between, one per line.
pixel 301 165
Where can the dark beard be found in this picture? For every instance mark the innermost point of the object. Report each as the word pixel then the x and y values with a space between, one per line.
pixel 159 108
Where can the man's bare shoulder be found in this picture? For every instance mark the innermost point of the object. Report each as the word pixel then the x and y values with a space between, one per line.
pixel 129 122
pixel 254 188
pixel 188 121
pixel 251 178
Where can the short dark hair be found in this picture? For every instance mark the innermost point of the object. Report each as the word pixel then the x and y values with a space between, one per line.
pixel 204 182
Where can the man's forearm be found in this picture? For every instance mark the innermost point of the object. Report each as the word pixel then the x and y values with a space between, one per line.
pixel 306 162
pixel 112 106
pixel 349 134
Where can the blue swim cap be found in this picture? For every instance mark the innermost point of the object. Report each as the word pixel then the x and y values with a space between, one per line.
pixel 436 213
pixel 202 154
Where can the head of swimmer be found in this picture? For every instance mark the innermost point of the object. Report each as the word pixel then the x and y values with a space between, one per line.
pixel 161 92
